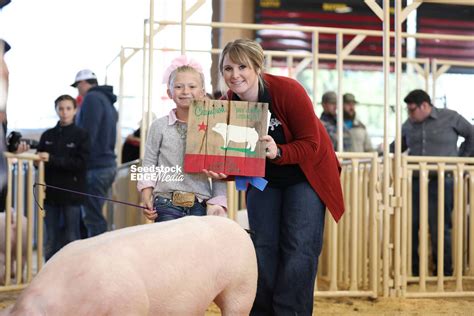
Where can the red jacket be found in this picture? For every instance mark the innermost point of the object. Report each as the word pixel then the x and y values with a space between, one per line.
pixel 308 143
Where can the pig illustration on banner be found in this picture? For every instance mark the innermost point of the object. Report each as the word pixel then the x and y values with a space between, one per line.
pixel 223 136
pixel 237 134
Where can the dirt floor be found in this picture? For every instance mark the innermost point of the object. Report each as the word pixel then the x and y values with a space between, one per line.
pixel 386 307
pixel 356 306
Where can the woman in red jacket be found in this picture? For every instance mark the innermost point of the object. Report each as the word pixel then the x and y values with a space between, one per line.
pixel 303 179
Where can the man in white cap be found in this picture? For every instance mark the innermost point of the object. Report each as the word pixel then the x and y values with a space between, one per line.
pixel 99 117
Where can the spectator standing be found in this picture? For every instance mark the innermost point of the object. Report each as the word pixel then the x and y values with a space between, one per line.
pixel 430 131
pixel 98 117
pixel 360 140
pixel 64 149
pixel 329 119
pixel 131 146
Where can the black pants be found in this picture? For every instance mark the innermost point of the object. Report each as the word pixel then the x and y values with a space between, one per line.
pixel 288 225
pixel 433 222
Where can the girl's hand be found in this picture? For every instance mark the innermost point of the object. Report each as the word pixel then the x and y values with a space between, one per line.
pixel 147 199
pixel 150 215
pixel 214 175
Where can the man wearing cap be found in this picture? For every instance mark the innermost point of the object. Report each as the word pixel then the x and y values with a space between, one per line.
pixel 329 120
pixel 357 131
pixel 99 117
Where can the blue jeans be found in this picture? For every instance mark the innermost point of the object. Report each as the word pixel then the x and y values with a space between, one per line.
pixel 62 227
pixel 99 182
pixel 170 211
pixel 288 225
pixel 433 222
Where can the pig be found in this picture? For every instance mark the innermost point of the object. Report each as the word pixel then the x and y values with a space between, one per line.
pixel 170 268
pixel 13 246
pixel 237 134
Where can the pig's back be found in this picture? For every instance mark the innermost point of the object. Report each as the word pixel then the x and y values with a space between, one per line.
pixel 172 267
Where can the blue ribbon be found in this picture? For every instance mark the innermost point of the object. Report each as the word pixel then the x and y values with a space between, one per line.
pixel 258 182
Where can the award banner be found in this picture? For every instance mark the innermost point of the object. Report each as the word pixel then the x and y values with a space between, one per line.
pixel 223 136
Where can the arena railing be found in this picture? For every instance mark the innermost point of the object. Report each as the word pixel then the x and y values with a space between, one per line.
pixel 350 260
pixel 22 213
pixel 431 282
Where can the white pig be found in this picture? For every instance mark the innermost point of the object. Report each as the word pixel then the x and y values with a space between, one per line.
pixel 13 244
pixel 170 268
pixel 237 134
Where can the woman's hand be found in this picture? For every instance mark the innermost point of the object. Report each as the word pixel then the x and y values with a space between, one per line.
pixel 216 210
pixel 147 199
pixel 214 175
pixel 271 148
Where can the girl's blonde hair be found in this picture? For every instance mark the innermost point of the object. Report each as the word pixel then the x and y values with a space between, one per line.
pixel 181 69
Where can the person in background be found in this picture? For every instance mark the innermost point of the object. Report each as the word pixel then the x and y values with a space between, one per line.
pixel 22 147
pixel 360 140
pixel 165 147
pixel 131 146
pixel 302 170
pixel 98 117
pixel 430 131
pixel 64 149
pixel 329 119
pixel 4 81
pixel 4 77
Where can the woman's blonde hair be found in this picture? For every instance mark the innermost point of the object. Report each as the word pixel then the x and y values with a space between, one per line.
pixel 245 52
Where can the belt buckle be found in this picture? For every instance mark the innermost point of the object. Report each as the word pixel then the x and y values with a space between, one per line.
pixel 183 199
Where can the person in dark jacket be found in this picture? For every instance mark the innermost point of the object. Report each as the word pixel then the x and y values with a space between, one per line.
pixel 98 117
pixel 64 149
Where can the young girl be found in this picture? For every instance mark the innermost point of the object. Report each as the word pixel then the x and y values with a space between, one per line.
pixel 175 194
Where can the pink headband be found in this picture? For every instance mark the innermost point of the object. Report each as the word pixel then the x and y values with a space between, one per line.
pixel 179 62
